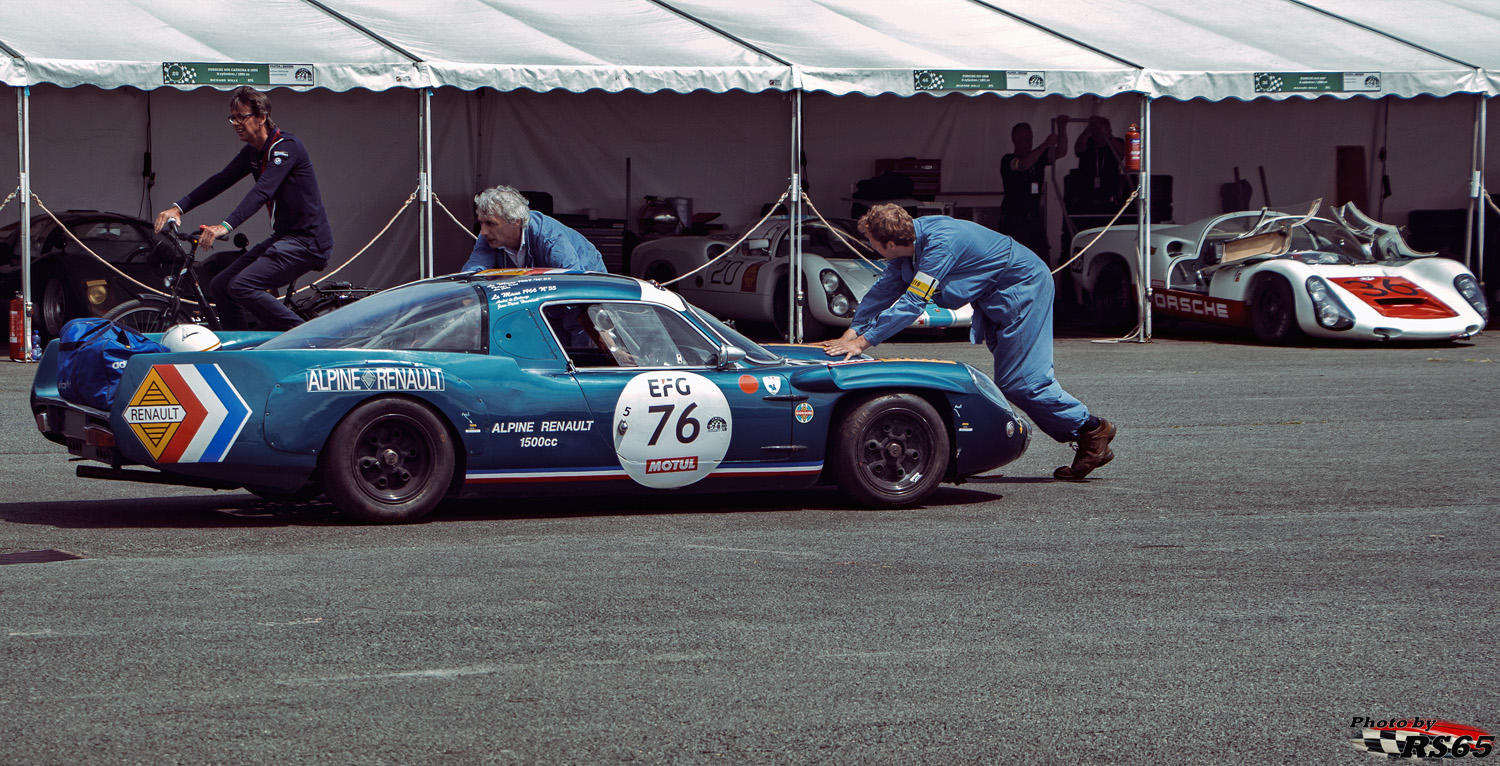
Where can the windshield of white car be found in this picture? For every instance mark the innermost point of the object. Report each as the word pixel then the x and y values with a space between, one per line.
pixel 1317 241
pixel 817 239
pixel 427 316
pixel 754 352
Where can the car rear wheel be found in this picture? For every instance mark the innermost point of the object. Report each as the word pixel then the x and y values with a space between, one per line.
pixel 55 308
pixel 1273 312
pixel 147 316
pixel 890 450
pixel 388 461
pixel 1113 299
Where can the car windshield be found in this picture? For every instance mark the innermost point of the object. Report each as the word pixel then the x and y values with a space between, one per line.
pixel 754 352
pixel 1315 241
pixel 818 239
pixel 427 316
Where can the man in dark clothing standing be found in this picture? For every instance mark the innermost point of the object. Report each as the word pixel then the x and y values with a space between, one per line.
pixel 1023 172
pixel 301 237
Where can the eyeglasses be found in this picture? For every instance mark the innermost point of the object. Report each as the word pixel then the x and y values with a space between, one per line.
pixel 239 118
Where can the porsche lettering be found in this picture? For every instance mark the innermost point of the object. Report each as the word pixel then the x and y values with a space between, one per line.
pixel 1206 307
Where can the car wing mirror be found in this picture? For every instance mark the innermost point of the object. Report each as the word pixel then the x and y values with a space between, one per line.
pixel 755 245
pixel 728 355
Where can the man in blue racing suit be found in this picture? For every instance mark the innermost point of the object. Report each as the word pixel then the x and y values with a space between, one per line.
pixel 513 236
pixel 952 262
pixel 301 237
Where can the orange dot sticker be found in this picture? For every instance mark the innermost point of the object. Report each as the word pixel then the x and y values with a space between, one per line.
pixel 749 384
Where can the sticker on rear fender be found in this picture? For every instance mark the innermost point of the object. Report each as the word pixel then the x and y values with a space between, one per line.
pixel 671 429
pixel 186 413
pixel 375 379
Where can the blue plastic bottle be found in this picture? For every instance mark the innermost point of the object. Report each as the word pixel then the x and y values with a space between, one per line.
pixel 36 345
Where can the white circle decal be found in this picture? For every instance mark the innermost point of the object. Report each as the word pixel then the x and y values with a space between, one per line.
pixel 671 428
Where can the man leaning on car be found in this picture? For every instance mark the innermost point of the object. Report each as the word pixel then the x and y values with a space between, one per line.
pixel 513 236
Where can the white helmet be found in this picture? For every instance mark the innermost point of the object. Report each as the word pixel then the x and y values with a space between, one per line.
pixel 190 337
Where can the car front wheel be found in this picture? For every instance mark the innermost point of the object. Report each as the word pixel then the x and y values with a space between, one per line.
pixel 54 310
pixel 1273 312
pixel 1113 299
pixel 388 461
pixel 890 450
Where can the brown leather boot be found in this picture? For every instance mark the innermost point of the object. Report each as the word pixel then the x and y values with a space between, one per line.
pixel 1093 451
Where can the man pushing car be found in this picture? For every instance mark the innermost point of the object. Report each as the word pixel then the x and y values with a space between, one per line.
pixel 952 262
pixel 512 235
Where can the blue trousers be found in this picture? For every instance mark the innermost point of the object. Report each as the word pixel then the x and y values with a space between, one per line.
pixel 1016 325
pixel 269 265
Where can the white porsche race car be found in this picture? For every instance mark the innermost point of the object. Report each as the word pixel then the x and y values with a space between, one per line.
pixel 750 283
pixel 1284 274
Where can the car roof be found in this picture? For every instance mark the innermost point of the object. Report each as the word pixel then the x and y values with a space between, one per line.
pixel 533 286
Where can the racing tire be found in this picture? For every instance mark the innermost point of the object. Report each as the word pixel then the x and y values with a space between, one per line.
pixel 1273 312
pixel 890 450
pixel 1113 299
pixel 54 309
pixel 389 461
pixel 812 330
pixel 148 316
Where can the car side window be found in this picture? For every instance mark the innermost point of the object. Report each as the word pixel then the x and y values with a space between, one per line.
pixel 628 335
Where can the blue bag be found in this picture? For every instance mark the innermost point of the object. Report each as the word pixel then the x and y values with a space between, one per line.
pixel 91 357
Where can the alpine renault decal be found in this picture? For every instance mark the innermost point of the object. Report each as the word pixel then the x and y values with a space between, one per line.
pixel 186 413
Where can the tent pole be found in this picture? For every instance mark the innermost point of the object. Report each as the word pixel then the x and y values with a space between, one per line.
pixel 23 132
pixel 1143 291
pixel 795 211
pixel 1475 182
pixel 427 242
pixel 1481 127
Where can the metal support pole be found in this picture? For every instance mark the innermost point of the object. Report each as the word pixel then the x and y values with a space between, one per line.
pixel 1143 291
pixel 426 267
pixel 1482 128
pixel 794 209
pixel 1476 202
pixel 23 124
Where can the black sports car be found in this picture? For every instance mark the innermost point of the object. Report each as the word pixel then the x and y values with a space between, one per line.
pixel 67 282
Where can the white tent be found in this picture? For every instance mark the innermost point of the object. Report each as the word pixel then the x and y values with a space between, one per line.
pixel 683 86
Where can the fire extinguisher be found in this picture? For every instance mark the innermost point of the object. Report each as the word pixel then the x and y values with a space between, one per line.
pixel 17 329
pixel 1133 149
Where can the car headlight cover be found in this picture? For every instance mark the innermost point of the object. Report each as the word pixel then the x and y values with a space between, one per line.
pixel 839 305
pixel 1330 311
pixel 1468 287
pixel 830 280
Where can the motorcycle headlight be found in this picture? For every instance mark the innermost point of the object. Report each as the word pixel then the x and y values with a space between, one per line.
pixel 830 280
pixel 1330 311
pixel 1468 287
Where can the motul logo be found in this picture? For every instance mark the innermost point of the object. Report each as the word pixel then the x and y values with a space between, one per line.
pixel 672 465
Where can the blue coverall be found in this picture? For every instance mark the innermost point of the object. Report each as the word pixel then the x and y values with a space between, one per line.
pixel 958 262
pixel 301 236
pixel 545 244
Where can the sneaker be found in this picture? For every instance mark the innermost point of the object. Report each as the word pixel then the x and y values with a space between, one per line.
pixel 1093 451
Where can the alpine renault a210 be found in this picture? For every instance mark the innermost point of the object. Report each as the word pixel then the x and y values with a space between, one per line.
pixel 536 382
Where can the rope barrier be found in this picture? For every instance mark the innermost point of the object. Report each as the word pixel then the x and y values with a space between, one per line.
pixel 737 242
pixel 1102 232
pixel 9 198
pixel 86 249
pixel 840 234
pixel 362 250
pixel 451 216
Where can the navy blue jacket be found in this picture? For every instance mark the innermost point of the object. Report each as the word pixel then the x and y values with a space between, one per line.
pixel 284 176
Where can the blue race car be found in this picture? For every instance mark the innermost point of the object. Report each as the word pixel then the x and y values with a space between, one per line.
pixel 530 382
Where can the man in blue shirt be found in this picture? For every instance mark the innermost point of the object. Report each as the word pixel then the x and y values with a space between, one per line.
pixel 301 237
pixel 513 236
pixel 952 262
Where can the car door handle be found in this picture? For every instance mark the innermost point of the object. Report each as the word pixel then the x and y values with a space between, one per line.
pixel 787 398
pixel 785 448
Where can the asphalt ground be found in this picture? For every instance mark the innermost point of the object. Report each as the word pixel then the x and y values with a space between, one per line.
pixel 1288 539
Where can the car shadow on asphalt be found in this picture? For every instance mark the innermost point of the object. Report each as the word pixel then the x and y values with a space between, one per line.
pixel 240 510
